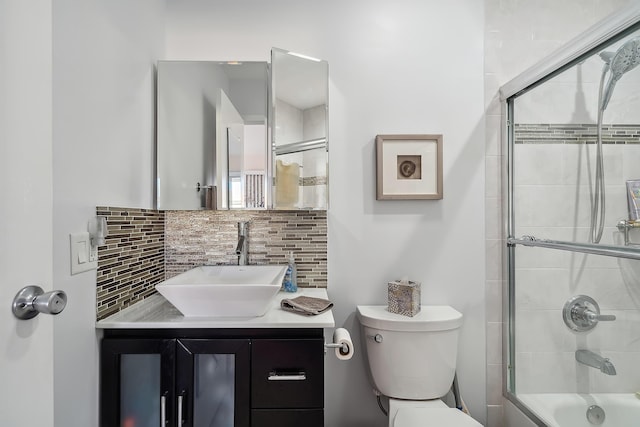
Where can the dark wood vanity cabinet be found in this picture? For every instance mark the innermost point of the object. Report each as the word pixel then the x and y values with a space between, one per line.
pixel 287 382
pixel 221 377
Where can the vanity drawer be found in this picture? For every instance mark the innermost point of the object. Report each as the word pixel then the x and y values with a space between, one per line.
pixel 287 417
pixel 287 373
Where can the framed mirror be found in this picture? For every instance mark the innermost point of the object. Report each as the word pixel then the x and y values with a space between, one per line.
pixel 212 135
pixel 300 99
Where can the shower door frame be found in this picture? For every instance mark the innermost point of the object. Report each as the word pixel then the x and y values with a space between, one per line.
pixel 592 40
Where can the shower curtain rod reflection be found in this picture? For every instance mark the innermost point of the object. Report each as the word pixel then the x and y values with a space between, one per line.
pixel 587 248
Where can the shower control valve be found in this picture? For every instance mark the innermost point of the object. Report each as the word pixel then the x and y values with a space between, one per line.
pixel 581 313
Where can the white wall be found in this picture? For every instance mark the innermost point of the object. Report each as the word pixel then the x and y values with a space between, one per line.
pixel 289 123
pixel 103 145
pixel 255 150
pixel 409 68
pixel 103 154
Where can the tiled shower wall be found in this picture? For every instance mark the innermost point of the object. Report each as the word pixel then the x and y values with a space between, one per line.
pixel 511 47
pixel 553 201
pixel 271 236
pixel 132 261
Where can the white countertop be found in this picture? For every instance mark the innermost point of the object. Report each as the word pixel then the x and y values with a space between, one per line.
pixel 155 312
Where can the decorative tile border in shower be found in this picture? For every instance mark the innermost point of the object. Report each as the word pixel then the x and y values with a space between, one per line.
pixel 313 180
pixel 196 238
pixel 306 181
pixel 575 133
pixel 132 261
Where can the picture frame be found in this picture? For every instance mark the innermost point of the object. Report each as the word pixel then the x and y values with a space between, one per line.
pixel 409 167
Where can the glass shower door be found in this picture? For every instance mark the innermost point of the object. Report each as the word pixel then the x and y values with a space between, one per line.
pixel 573 244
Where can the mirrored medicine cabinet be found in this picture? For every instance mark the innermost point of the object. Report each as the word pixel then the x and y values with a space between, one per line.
pixel 242 135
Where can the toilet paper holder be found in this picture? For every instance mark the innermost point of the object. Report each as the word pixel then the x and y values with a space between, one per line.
pixel 342 346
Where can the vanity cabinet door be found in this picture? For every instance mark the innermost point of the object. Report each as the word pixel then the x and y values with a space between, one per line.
pixel 200 379
pixel 212 384
pixel 287 373
pixel 137 382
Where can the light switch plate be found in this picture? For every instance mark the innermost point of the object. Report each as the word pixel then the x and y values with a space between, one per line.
pixel 81 253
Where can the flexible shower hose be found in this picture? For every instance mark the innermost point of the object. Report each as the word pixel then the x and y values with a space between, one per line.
pixel 597 207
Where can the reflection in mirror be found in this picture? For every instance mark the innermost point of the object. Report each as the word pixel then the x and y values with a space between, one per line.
pixel 212 127
pixel 300 110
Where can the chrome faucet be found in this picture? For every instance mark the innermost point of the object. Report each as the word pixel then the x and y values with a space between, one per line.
pixel 589 358
pixel 242 247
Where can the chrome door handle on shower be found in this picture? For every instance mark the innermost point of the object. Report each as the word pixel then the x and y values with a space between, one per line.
pixel 32 300
pixel 582 313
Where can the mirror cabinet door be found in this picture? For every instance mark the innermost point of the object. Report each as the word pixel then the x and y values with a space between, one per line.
pixel 300 87
pixel 212 135
pixel 212 150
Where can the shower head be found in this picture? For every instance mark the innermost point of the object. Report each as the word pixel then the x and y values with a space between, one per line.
pixel 626 58
pixel 607 56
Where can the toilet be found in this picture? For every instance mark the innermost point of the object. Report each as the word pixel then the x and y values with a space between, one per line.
pixel 412 361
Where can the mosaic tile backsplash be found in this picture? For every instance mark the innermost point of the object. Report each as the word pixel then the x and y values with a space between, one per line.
pixel 132 261
pixel 145 247
pixel 196 238
pixel 575 133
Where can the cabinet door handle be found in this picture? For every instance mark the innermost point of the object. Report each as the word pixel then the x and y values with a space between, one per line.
pixel 163 410
pixel 180 399
pixel 287 376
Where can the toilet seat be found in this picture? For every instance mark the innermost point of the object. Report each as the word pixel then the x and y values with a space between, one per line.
pixel 433 417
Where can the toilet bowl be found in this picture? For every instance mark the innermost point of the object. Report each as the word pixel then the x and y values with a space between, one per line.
pixel 412 361
pixel 427 413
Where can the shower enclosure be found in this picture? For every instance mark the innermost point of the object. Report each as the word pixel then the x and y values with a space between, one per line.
pixel 572 141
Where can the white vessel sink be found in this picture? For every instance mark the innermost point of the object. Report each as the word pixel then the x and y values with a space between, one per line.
pixel 224 290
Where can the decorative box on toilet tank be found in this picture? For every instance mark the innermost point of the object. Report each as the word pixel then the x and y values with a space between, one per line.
pixel 404 297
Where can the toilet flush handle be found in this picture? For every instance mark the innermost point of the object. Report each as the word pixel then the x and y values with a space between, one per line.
pixel 377 338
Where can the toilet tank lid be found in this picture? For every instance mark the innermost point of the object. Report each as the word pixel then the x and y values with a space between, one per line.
pixel 429 318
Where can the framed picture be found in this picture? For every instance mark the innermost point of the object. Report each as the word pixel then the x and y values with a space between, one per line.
pixel 409 167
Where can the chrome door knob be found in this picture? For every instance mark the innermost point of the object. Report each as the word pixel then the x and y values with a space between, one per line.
pixel 32 300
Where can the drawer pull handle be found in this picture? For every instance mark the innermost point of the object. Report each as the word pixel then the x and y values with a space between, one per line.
pixel 290 376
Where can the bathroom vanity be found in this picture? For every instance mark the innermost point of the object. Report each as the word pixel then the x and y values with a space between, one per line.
pixel 158 367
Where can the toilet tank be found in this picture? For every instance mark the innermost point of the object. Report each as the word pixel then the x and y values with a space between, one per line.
pixel 411 357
